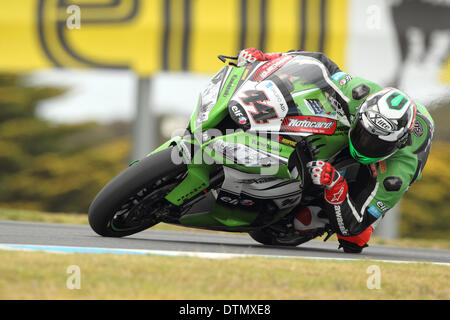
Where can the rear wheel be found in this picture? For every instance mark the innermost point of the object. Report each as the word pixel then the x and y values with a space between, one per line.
pixel 134 200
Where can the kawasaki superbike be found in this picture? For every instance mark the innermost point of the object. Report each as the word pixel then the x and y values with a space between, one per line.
pixel 240 164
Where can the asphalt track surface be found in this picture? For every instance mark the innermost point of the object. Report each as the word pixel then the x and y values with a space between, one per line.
pixel 47 234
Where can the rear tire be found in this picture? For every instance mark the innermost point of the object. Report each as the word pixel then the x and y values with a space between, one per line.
pixel 123 191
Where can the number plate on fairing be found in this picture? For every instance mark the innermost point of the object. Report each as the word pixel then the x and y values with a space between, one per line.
pixel 259 106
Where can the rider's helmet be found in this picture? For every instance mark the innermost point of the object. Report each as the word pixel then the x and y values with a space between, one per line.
pixel 382 125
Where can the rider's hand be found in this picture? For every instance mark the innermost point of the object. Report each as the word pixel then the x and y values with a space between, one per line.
pixel 250 55
pixel 323 174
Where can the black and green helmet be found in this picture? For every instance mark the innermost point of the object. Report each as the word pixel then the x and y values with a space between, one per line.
pixel 382 126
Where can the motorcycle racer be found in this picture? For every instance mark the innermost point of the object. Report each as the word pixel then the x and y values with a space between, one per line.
pixel 388 133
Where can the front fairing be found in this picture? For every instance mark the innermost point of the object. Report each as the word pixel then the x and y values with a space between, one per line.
pixel 293 94
pixel 290 96
pixel 283 98
pixel 212 104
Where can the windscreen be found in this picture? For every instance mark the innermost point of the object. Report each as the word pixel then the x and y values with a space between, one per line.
pixel 305 77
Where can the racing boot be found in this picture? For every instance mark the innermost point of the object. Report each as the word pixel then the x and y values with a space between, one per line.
pixel 355 244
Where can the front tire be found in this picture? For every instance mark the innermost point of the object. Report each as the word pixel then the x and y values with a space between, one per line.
pixel 122 207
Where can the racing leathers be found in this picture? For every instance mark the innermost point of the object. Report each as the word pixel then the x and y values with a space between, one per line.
pixel 355 207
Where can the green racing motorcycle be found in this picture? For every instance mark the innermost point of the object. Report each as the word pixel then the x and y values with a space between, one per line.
pixel 240 166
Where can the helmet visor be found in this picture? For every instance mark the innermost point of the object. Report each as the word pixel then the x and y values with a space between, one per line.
pixel 368 146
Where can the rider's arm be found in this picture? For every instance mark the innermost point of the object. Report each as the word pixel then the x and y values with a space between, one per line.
pixel 369 199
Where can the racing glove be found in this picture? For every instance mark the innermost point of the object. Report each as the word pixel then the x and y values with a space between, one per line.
pixel 250 55
pixel 323 174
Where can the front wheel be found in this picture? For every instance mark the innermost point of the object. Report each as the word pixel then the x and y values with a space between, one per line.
pixel 135 199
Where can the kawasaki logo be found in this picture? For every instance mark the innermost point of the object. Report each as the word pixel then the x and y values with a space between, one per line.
pixel 340 220
pixel 229 85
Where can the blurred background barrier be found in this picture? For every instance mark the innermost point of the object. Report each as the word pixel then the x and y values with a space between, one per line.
pixel 174 35
pixel 88 86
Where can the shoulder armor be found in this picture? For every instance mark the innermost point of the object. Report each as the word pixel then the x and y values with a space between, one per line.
pixel 360 91
pixel 392 183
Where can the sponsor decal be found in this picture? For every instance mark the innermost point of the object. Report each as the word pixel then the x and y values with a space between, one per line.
pixel 238 114
pixel 337 194
pixel 247 202
pixel 287 141
pixel 345 80
pixel 382 206
pixel 335 104
pixel 340 220
pixel 383 124
pixel 338 75
pixel 336 197
pixel 374 211
pixel 230 84
pixel 270 67
pixel 245 74
pixel 314 106
pixel 380 122
pixel 417 129
pixel 309 124
pixel 237 111
pixel 279 99
pixel 382 165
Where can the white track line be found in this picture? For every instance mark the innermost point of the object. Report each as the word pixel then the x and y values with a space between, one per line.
pixel 170 253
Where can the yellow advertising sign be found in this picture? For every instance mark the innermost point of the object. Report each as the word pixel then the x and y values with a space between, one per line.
pixel 153 35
